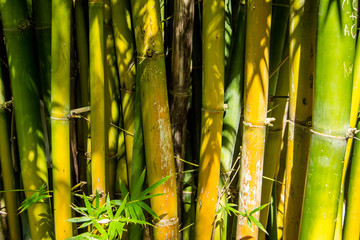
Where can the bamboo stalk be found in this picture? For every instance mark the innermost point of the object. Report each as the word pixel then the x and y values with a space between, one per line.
pixel 23 73
pixel 233 99
pixel 60 124
pixel 352 220
pixel 179 86
pixel 255 111
pixel 275 138
pixel 355 100
pixel 7 170
pixel 138 161
pixel 302 67
pixel 155 114
pixel 112 103
pixel 332 100
pixel 42 14
pixel 213 34
pixel 83 129
pixel 125 55
pixel 97 96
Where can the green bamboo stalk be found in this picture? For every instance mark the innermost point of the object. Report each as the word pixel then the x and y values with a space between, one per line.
pixel 213 36
pixel 83 100
pixel 155 114
pixel 258 24
pixel 60 124
pixel 332 100
pixel 97 96
pixel 179 86
pixel 275 137
pixel 302 67
pixel 42 17
pixel 352 220
pixel 188 198
pixel 355 100
pixel 23 74
pixel 138 161
pixel 233 99
pixel 125 53
pixel 7 170
pixel 112 103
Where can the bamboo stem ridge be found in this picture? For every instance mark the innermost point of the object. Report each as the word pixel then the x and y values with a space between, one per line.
pixel 255 112
pixel 213 30
pixel 97 96
pixel 155 114
pixel 24 74
pixel 60 123
pixel 332 103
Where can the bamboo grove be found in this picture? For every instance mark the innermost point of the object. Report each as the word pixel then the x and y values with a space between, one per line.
pixel 183 119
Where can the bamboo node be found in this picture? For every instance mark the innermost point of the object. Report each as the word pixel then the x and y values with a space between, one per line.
pixel 248 124
pixel 179 94
pixel 214 111
pixel 351 132
pixel 327 135
pixel 60 118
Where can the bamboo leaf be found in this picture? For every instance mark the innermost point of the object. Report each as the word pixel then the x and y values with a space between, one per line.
pixel 259 208
pixel 257 223
pixel 121 208
pixel 152 187
pixel 108 207
pixel 148 209
pixel 139 184
pixel 88 206
pixel 79 219
pixel 100 228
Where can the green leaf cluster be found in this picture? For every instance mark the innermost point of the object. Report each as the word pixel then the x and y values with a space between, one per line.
pixel 230 209
pixel 108 221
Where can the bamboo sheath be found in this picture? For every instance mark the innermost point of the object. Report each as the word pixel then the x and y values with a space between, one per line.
pixel 332 100
pixel 302 67
pixel 255 111
pixel 97 96
pixel 155 114
pixel 23 74
pixel 7 170
pixel 60 124
pixel 125 56
pixel 212 116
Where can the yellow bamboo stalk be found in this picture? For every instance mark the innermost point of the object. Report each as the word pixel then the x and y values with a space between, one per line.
pixel 212 116
pixel 60 124
pixel 302 66
pixel 255 111
pixel 155 115
pixel 97 96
